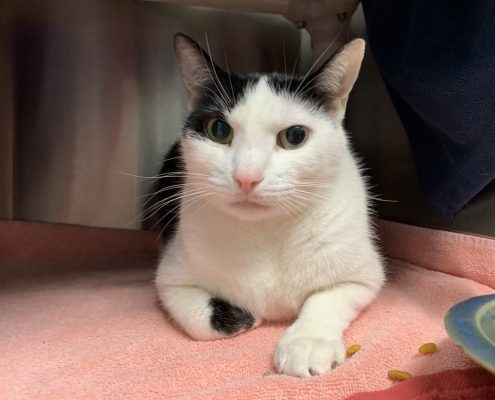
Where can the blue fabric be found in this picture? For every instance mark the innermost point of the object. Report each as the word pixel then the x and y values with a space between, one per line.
pixel 437 58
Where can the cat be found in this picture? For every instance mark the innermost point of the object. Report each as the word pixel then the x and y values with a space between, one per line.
pixel 265 210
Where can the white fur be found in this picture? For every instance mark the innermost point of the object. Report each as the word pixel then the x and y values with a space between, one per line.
pixel 277 255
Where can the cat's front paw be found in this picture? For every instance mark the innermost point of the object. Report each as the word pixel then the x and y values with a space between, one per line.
pixel 203 316
pixel 229 319
pixel 304 356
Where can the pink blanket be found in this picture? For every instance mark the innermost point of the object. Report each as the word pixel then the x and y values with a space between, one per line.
pixel 452 384
pixel 86 326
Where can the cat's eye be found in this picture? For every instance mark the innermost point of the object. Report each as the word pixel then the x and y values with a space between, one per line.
pixel 219 131
pixel 292 137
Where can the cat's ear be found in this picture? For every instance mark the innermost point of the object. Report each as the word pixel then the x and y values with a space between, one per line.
pixel 337 77
pixel 197 68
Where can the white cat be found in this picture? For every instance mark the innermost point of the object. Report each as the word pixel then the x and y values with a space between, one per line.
pixel 272 210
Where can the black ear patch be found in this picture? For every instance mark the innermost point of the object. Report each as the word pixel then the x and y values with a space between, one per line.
pixel 227 318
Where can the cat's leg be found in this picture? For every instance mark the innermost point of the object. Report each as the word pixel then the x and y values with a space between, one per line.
pixel 313 344
pixel 203 316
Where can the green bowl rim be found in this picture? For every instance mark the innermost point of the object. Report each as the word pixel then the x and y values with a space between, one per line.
pixel 462 325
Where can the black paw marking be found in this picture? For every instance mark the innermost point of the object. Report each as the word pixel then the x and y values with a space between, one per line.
pixel 227 318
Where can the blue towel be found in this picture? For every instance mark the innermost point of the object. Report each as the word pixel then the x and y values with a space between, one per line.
pixel 437 58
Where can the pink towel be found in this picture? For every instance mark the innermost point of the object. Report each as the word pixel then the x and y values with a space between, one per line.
pixel 467 384
pixel 468 256
pixel 90 327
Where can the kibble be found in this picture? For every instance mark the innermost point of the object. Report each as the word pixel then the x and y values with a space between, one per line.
pixel 398 375
pixel 353 349
pixel 428 348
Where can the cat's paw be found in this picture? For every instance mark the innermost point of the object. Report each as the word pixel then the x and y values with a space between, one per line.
pixel 217 319
pixel 229 319
pixel 304 356
pixel 202 316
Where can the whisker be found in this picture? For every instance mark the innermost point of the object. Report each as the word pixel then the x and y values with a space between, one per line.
pixel 315 184
pixel 293 71
pixel 135 176
pixel 153 194
pixel 179 173
pixel 178 186
pixel 300 203
pixel 307 200
pixel 215 71
pixel 163 229
pixel 311 194
pixel 166 174
pixel 374 198
pixel 283 53
pixel 228 73
pixel 197 182
pixel 219 94
pixel 323 185
pixel 153 209
pixel 216 97
pixel 284 208
pixel 206 204
pixel 307 86
pixel 293 207
pixel 171 187
pixel 170 158
pixel 182 204
pixel 317 61
pixel 176 196
pixel 185 208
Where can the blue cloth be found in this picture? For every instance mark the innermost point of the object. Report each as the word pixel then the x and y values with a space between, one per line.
pixel 437 58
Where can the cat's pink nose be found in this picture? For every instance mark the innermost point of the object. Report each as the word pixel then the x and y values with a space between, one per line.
pixel 247 182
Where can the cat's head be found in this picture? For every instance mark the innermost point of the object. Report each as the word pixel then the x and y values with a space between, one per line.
pixel 262 145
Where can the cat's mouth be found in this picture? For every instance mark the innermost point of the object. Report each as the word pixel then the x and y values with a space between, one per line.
pixel 248 204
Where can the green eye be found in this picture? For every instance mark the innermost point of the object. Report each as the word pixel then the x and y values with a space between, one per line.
pixel 292 137
pixel 219 131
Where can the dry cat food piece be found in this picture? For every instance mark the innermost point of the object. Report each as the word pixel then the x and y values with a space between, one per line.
pixel 353 349
pixel 398 375
pixel 428 348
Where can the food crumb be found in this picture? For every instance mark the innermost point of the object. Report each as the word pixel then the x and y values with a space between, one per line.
pixel 398 375
pixel 353 349
pixel 428 348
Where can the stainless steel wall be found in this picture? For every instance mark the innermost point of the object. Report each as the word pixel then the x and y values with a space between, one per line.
pixel 91 92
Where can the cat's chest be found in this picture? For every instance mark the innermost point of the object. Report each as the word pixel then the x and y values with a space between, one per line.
pixel 256 283
pixel 269 272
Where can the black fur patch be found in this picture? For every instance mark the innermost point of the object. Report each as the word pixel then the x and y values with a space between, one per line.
pixel 301 87
pixel 217 100
pixel 228 318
